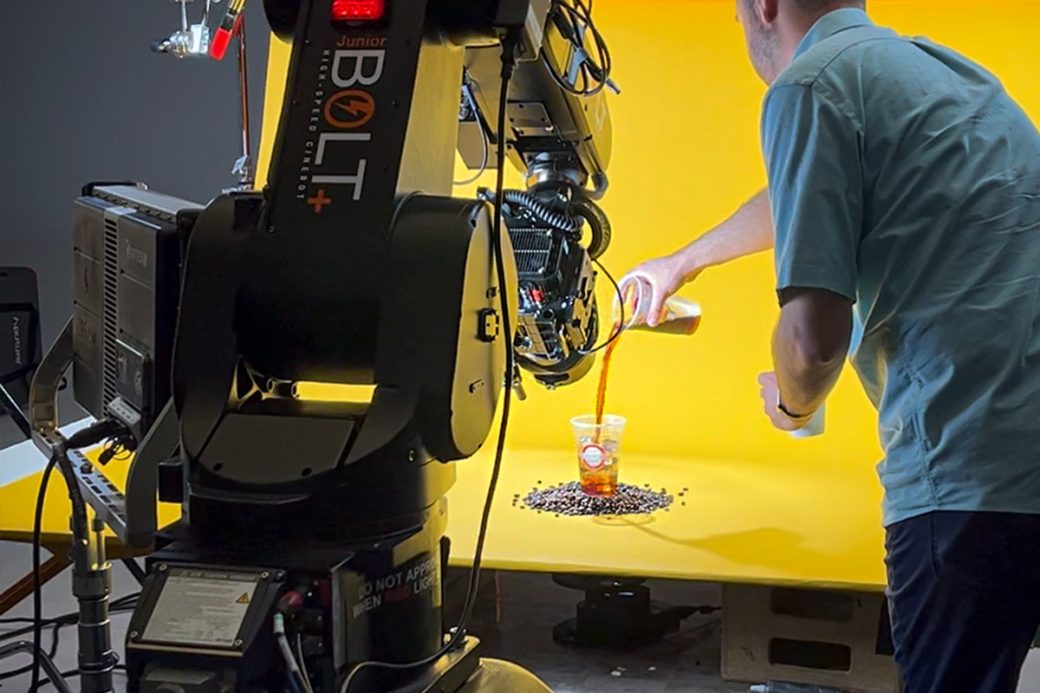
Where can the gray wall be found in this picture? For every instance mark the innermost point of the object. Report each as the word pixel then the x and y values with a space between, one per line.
pixel 83 98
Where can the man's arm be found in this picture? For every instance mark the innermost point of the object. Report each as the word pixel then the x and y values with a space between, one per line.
pixel 812 147
pixel 748 231
pixel 809 347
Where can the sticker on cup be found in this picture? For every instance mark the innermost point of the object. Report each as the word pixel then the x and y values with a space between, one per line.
pixel 593 456
pixel 598 446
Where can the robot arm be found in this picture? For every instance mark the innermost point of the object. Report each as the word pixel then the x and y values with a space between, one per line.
pixel 559 138
pixel 354 265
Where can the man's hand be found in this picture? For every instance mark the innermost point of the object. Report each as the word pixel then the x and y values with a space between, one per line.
pixel 654 282
pixel 770 398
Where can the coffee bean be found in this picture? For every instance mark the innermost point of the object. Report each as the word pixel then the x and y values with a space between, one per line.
pixel 569 499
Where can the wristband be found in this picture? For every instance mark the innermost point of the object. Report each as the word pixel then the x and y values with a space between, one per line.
pixel 796 418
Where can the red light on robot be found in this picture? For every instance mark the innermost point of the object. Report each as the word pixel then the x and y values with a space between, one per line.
pixel 358 10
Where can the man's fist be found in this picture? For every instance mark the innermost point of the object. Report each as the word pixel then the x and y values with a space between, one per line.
pixel 770 392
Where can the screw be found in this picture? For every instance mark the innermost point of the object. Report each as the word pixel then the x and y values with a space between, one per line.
pixel 411 455
pixel 238 642
pixel 134 635
pixel 163 567
pixel 265 575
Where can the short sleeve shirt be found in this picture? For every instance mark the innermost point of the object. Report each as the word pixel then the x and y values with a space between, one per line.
pixel 903 176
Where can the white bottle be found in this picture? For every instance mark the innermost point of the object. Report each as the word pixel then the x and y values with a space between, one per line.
pixel 815 427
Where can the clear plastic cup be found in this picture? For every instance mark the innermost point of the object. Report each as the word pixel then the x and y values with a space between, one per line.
pixel 681 316
pixel 599 447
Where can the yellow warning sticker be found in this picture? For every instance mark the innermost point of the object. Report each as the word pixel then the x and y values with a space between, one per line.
pixel 244 599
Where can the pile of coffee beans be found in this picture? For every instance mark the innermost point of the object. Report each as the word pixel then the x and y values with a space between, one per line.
pixel 569 499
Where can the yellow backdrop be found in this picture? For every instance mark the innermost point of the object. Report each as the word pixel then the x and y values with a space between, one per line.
pixel 686 154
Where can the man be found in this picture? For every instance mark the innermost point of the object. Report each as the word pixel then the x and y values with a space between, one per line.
pixel 904 186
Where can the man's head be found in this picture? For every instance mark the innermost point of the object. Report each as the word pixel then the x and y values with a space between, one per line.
pixel 774 28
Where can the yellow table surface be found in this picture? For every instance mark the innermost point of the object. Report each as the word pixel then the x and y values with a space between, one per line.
pixel 813 526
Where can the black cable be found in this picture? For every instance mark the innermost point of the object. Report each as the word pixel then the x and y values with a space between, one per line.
pixel 126 603
pixel 95 433
pixel 60 459
pixel 606 63
pixel 76 672
pixel 47 623
pixel 41 496
pixel 91 435
pixel 620 327
pixel 63 621
pixel 560 221
pixel 9 406
pixel 572 14
pixel 509 46
pixel 23 619
pixel 123 604
pixel 55 641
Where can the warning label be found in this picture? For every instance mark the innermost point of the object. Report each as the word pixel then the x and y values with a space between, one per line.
pixel 397 587
pixel 201 610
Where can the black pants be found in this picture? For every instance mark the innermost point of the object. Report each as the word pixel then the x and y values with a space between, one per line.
pixel 964 596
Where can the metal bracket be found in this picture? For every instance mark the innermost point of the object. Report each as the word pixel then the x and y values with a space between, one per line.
pixel 43 393
pixel 142 479
pixel 132 516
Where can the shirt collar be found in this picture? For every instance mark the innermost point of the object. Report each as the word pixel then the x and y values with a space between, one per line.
pixel 832 23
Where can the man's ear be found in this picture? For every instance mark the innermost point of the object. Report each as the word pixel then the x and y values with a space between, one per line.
pixel 767 10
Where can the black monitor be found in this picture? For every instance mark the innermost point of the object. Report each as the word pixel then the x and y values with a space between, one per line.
pixel 129 242
pixel 20 348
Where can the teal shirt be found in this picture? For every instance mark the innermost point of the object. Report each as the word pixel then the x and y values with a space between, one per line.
pixel 904 177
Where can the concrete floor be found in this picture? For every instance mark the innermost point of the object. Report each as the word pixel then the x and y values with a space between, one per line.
pixel 529 605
